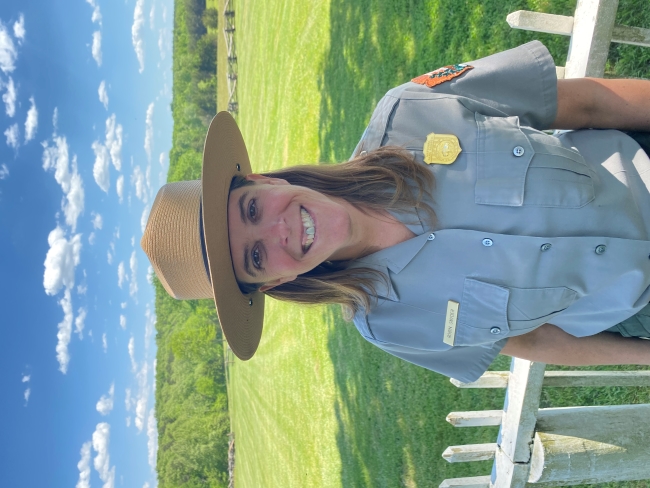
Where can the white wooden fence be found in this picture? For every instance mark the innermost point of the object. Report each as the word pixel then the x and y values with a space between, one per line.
pixel 572 445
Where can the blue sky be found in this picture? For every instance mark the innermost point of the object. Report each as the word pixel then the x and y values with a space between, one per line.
pixel 85 130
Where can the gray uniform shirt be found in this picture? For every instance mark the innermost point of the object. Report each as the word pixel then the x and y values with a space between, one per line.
pixel 531 228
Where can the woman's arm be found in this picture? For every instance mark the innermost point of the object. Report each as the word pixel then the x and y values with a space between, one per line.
pixel 603 104
pixel 550 344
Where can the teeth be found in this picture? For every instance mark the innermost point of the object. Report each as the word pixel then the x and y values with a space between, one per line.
pixel 310 231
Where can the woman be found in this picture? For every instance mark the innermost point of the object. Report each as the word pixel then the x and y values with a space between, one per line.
pixel 457 231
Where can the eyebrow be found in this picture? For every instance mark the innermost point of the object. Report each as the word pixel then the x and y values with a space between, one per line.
pixel 242 213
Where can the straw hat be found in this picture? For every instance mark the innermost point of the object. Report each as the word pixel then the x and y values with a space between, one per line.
pixel 186 238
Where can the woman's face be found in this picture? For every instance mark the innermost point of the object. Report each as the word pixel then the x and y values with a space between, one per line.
pixel 278 231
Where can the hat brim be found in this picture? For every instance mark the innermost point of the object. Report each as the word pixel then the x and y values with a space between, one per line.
pixel 224 156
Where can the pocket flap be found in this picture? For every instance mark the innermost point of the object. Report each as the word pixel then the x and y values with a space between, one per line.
pixel 482 316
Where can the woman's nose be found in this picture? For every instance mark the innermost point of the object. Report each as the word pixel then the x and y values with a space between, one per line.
pixel 279 231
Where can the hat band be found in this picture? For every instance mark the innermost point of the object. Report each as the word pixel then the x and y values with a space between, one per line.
pixel 203 248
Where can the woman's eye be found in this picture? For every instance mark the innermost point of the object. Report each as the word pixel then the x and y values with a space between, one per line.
pixel 257 262
pixel 252 210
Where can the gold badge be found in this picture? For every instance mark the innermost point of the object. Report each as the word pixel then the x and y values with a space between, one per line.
pixel 450 323
pixel 441 149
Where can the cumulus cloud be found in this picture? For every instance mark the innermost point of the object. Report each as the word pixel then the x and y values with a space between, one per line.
pixel 109 257
pixel 84 466
pixel 134 364
pixel 31 124
pixel 149 326
pixel 123 322
pixel 152 440
pixel 123 305
pixel 98 221
pixel 143 396
pixel 19 29
pixel 133 285
pixel 105 403
pixel 150 275
pixel 61 260
pixel 128 401
pixel 79 322
pixel 113 142
pixel 103 94
pixel 56 157
pixel 144 218
pixel 100 168
pixel 92 238
pixel 136 35
pixel 109 151
pixel 8 53
pixel 12 136
pixel 97 47
pixel 104 342
pixel 120 188
pixel 97 14
pixel 148 135
pixel 55 118
pixel 65 331
pixel 139 182
pixel 26 378
pixel 121 274
pixel 26 395
pixel 101 462
pixel 4 172
pixel 9 97
pixel 152 17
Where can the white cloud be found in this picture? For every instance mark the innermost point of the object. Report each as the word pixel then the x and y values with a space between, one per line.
pixel 120 188
pixel 148 135
pixel 19 29
pixel 97 15
pixel 101 462
pixel 60 261
pixel 134 364
pixel 150 275
pixel 144 218
pixel 121 274
pixel 97 47
pixel 104 342
pixel 123 305
pixel 113 142
pixel 152 440
pixel 57 158
pixel 164 14
pixel 105 403
pixel 149 326
pixel 138 180
pixel 79 322
pixel 109 257
pixel 128 421
pixel 143 396
pixel 12 136
pixel 123 322
pixel 98 221
pixel 92 238
pixel 31 123
pixel 136 36
pixel 4 172
pixel 55 118
pixel 146 484
pixel 133 263
pixel 65 331
pixel 100 168
pixel 84 466
pixel 26 395
pixel 8 53
pixel 103 94
pixel 9 98
pixel 127 399
pixel 26 378
pixel 152 17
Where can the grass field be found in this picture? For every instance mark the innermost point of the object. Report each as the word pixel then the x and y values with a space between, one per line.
pixel 318 406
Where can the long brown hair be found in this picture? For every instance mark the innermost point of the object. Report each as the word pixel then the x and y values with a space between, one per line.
pixel 387 178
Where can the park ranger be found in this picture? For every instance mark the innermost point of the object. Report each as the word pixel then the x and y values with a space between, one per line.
pixel 457 231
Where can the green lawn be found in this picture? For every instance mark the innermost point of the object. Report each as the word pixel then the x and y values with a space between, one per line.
pixel 317 405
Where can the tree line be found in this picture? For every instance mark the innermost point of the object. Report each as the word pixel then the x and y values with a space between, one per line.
pixel 191 397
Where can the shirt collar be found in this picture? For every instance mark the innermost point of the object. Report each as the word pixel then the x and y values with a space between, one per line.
pixel 396 257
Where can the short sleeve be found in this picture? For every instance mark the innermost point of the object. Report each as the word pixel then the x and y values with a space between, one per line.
pixel 518 82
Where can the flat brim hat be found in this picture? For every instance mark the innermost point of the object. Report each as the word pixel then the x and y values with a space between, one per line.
pixel 186 238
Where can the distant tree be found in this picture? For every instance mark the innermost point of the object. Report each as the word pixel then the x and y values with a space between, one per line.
pixel 211 18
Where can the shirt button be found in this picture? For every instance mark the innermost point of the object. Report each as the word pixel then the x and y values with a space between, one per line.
pixel 487 242
pixel 545 247
pixel 495 330
pixel 431 237
pixel 600 248
pixel 518 151
pixel 363 153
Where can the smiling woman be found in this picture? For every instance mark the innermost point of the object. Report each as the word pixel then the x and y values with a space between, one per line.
pixel 521 229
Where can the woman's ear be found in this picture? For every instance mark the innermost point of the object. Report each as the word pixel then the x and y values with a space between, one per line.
pixel 266 179
pixel 274 283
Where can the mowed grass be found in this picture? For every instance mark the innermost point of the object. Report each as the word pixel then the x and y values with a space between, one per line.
pixel 317 405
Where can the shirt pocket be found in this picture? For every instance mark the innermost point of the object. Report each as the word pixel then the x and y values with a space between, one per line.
pixel 489 312
pixel 521 166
